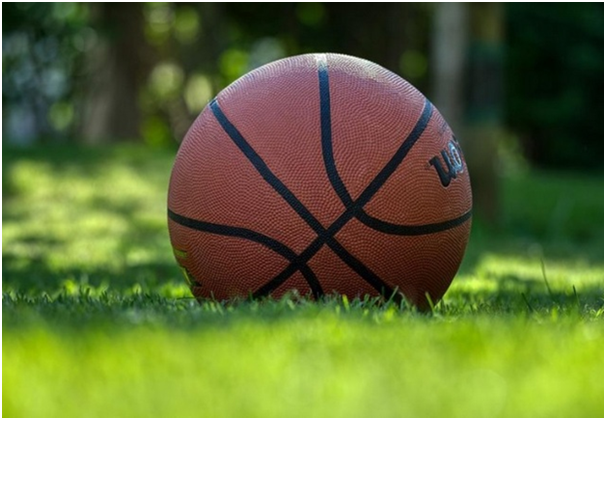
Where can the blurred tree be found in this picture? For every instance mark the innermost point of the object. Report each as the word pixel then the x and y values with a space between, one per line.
pixel 393 35
pixel 448 58
pixel 467 82
pixel 41 67
pixel 484 106
pixel 116 68
pixel 115 71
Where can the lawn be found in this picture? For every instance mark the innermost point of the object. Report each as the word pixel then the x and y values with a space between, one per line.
pixel 97 320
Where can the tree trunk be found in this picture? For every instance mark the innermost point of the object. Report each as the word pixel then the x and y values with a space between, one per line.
pixel 484 104
pixel 116 67
pixel 467 84
pixel 449 48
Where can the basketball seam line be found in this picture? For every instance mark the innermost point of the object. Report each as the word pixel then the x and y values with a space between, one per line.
pixel 326 134
pixel 350 212
pixel 411 230
pixel 338 184
pixel 323 234
pixel 263 169
pixel 248 234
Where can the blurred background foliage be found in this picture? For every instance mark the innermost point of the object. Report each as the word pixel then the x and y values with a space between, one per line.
pixel 113 71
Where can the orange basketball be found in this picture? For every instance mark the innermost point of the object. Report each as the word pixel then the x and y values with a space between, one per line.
pixel 323 173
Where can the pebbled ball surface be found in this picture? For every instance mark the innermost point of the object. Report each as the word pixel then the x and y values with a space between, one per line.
pixel 314 173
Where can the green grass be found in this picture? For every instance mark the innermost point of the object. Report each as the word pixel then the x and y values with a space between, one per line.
pixel 98 321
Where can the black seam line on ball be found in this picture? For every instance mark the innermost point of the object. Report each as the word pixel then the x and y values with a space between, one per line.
pixel 248 234
pixel 395 161
pixel 337 183
pixel 263 169
pixel 324 235
pixel 333 175
pixel 411 230
pixel 353 210
pixel 326 133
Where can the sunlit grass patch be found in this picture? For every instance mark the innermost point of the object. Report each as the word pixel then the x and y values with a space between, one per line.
pixel 162 358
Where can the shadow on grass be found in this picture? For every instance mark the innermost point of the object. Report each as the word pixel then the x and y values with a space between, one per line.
pixel 506 293
pixel 36 277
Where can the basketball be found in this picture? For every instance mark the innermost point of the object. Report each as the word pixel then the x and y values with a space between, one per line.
pixel 320 173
